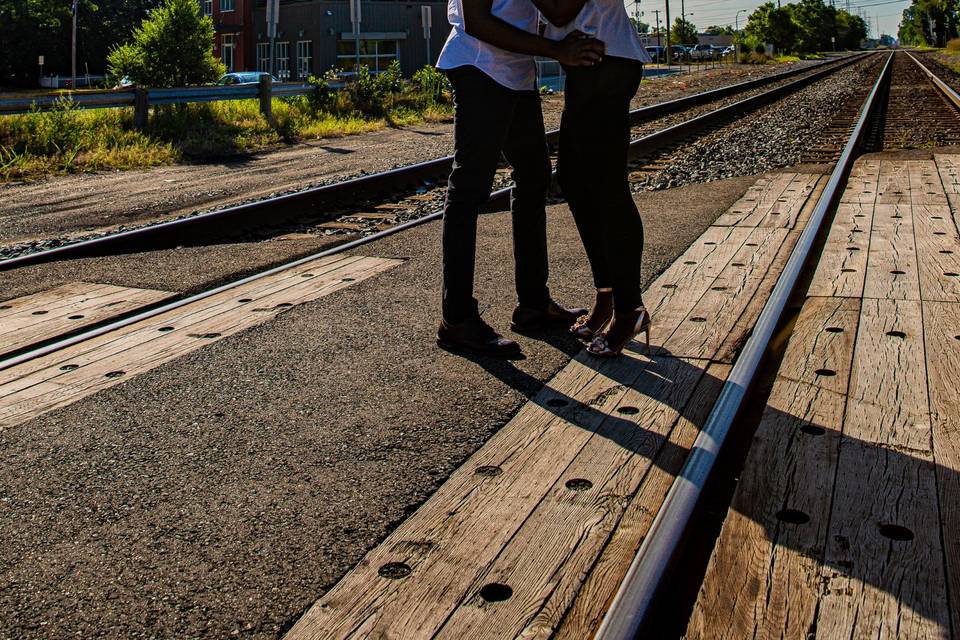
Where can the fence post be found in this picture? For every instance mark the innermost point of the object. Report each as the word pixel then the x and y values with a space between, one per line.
pixel 141 108
pixel 266 96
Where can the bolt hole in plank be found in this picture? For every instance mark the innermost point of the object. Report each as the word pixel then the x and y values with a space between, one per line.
pixel 306 275
pixel 40 313
pixel 689 262
pixel 834 329
pixel 718 288
pixel 896 334
pixel 896 532
pixel 628 411
pixel 751 244
pixel 114 374
pixel 813 430
pixel 245 300
pixel 394 570
pixel 69 367
pixel 579 484
pixel 669 286
pixel 825 373
pixel 946 251
pixel 75 317
pixel 848 270
pixel 792 516
pixel 737 264
pixel 495 592
pixel 898 272
pixel 165 329
pixel 698 319
pixel 710 243
pixel 4 307
pixel 206 336
pixel 951 274
pixel 488 471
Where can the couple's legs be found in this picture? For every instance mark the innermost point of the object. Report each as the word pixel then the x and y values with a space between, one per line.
pixel 592 168
pixel 492 120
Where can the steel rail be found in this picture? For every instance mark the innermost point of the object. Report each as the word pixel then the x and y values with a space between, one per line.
pixel 944 88
pixel 296 204
pixel 632 602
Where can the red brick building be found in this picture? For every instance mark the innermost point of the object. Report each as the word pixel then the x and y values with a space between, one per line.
pixel 233 23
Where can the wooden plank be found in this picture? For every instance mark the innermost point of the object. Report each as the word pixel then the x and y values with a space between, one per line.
pixel 938 253
pixel 941 330
pixel 548 557
pixel 678 289
pixel 842 266
pixel 763 579
pixel 757 203
pixel 470 519
pixel 894 185
pixel 786 211
pixel 926 187
pixel 863 183
pixel 599 588
pixel 892 270
pixel 879 580
pixel 888 404
pixel 799 221
pixel 70 374
pixel 70 307
pixel 708 325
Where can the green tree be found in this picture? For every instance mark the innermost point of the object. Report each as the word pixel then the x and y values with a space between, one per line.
pixel 715 30
pixel 851 30
pixel 684 32
pixel 640 25
pixel 930 22
pixel 173 47
pixel 770 25
pixel 816 23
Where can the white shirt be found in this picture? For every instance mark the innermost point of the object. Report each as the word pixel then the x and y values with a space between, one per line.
pixel 607 21
pixel 513 70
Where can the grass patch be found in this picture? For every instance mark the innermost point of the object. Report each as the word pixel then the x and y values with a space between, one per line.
pixel 67 139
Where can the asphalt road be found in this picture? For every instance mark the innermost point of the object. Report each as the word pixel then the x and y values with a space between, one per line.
pixel 222 493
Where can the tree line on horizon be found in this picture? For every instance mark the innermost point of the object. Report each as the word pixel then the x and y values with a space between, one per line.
pixel 930 23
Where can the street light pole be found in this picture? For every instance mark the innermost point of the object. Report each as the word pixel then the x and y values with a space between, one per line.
pixel 73 52
pixel 736 32
pixel 669 51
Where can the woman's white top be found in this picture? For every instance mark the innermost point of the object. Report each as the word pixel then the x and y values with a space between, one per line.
pixel 607 21
pixel 512 70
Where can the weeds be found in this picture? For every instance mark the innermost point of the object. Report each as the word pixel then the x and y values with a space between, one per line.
pixel 66 139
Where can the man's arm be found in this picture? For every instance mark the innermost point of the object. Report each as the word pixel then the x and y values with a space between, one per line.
pixel 574 50
pixel 560 13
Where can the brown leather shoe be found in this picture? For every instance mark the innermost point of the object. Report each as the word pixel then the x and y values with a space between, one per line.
pixel 526 319
pixel 475 336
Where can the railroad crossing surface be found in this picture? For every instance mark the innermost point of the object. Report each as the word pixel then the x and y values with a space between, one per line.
pixel 211 440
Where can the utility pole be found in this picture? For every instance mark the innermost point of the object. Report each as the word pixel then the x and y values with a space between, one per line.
pixel 73 53
pixel 355 18
pixel 657 13
pixel 669 51
pixel 273 17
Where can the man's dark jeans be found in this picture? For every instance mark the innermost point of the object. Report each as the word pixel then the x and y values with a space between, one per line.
pixel 492 120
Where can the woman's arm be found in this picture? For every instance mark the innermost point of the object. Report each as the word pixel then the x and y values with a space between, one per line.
pixel 560 13
pixel 574 50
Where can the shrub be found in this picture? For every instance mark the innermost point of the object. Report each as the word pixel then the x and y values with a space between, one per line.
pixel 953 45
pixel 432 84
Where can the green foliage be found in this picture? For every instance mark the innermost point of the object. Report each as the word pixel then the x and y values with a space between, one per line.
pixel 768 24
pixel 684 32
pixel 173 47
pixel 804 27
pixel 432 84
pixel 716 30
pixel 930 22
pixel 29 28
pixel 70 139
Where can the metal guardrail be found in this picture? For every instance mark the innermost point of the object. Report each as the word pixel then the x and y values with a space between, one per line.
pixel 127 97
pixel 631 605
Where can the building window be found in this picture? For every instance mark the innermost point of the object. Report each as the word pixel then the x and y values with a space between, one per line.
pixel 283 61
pixel 375 54
pixel 304 59
pixel 263 57
pixel 208 7
pixel 227 47
pixel 227 5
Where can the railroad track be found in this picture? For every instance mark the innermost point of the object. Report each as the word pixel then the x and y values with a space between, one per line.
pixel 908 107
pixel 418 188
pixel 630 610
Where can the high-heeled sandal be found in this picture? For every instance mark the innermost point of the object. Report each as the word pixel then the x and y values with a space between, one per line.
pixel 589 324
pixel 611 342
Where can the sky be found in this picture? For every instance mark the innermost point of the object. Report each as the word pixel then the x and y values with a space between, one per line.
pixel 710 12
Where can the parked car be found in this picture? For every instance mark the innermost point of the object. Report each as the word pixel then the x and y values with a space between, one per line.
pixel 679 52
pixel 657 53
pixel 701 52
pixel 236 78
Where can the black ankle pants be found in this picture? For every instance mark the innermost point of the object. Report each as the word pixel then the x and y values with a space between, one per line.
pixel 492 120
pixel 592 171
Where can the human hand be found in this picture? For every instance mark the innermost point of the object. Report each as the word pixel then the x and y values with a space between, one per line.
pixel 579 50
